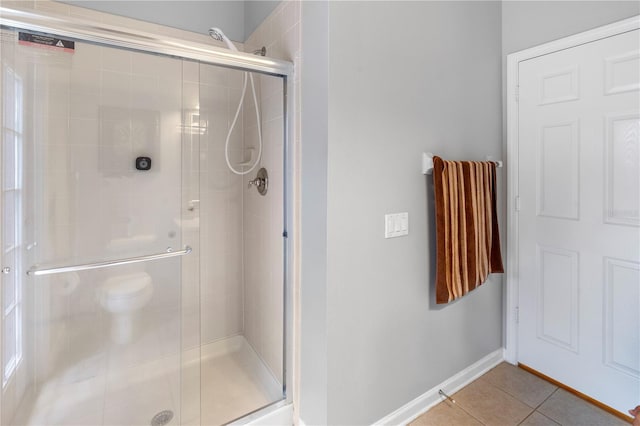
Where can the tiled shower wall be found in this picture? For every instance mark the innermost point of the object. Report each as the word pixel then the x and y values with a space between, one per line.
pixel 221 290
pixel 263 216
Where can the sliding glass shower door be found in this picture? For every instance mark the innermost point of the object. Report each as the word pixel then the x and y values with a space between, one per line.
pixel 92 208
pixel 143 279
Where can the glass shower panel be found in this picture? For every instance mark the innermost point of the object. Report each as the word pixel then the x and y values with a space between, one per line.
pixel 92 171
pixel 242 325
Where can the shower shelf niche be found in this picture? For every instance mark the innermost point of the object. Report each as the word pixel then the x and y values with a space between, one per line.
pixel 248 162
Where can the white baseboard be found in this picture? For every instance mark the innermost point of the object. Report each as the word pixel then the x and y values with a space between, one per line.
pixel 424 402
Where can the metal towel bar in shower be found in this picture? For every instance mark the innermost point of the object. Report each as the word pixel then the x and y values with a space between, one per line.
pixel 35 270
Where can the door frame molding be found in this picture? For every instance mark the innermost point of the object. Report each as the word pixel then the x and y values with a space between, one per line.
pixel 513 61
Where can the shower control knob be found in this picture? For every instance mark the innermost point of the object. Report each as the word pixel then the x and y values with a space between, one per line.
pixel 6 270
pixel 261 181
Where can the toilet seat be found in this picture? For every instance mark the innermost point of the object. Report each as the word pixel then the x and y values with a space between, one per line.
pixel 126 286
pixel 125 294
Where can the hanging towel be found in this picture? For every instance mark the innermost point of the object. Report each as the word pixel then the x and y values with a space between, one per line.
pixel 467 237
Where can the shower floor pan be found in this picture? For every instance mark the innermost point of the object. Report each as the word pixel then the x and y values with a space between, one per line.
pixel 233 381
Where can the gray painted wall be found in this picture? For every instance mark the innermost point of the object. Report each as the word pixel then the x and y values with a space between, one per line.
pixel 529 23
pixel 238 19
pixel 255 12
pixel 189 15
pixel 404 77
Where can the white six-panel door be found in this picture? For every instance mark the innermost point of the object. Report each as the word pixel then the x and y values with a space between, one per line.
pixel 579 218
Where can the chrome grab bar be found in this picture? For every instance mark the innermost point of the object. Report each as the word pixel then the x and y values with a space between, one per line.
pixel 36 271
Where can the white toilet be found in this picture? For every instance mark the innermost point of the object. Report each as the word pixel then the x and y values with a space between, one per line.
pixel 123 296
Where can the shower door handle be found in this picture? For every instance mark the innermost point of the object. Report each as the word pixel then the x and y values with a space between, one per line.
pixel 35 270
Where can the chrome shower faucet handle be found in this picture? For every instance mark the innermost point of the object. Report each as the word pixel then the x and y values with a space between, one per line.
pixel 261 181
pixel 257 182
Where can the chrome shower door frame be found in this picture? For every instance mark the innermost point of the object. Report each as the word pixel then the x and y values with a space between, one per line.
pixel 141 41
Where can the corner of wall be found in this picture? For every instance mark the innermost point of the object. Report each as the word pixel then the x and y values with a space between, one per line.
pixel 314 85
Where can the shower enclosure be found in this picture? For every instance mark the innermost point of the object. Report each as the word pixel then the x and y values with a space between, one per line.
pixel 142 281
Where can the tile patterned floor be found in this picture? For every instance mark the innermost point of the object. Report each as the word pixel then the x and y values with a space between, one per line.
pixel 510 396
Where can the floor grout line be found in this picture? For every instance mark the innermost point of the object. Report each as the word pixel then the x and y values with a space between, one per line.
pixel 525 419
pixel 487 382
pixel 547 398
pixel 533 409
pixel 469 413
pixel 546 416
pixel 542 403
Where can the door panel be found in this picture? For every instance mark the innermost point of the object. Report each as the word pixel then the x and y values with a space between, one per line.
pixel 579 188
pixel 100 346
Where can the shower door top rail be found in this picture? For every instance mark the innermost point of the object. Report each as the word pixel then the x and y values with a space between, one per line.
pixel 36 270
pixel 106 34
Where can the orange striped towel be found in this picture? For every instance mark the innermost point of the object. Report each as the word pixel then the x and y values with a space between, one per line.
pixel 467 237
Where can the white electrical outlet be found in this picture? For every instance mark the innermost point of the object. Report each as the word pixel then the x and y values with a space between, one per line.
pixel 396 225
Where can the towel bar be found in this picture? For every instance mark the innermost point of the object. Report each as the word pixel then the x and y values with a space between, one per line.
pixel 35 270
pixel 427 163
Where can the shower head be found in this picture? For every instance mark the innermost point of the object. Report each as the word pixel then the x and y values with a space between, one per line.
pixel 217 34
